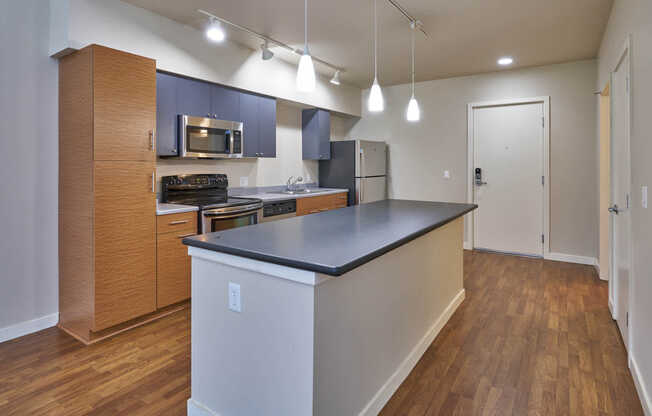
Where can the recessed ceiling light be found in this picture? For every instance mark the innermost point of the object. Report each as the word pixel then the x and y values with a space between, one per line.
pixel 507 60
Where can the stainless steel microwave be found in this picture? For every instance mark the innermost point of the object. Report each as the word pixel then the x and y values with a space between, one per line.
pixel 208 138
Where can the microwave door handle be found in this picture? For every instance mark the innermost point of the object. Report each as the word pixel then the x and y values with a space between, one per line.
pixel 230 135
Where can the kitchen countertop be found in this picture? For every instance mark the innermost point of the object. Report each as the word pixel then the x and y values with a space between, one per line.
pixel 164 209
pixel 334 242
pixel 279 196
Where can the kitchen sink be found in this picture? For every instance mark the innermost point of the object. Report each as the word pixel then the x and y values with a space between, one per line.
pixel 301 191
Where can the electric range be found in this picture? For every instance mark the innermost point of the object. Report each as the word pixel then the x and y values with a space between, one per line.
pixel 209 192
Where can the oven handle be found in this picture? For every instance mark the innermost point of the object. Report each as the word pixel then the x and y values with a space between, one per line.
pixel 239 214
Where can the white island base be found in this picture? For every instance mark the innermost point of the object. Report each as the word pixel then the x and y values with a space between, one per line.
pixel 306 343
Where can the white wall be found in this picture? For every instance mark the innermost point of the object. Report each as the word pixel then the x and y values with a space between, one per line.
pixel 259 172
pixel 184 50
pixel 420 152
pixel 635 17
pixel 28 166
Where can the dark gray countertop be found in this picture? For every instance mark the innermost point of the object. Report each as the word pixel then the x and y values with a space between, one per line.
pixel 334 242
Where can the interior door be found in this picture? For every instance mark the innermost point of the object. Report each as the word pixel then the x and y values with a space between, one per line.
pixel 125 241
pixel 620 191
pixel 508 151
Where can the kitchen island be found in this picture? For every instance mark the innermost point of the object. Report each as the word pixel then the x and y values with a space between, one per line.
pixel 323 314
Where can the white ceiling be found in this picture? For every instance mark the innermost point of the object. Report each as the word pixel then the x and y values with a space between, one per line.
pixel 465 36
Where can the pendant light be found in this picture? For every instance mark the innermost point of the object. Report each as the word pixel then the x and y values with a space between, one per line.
pixel 376 102
pixel 413 112
pixel 306 72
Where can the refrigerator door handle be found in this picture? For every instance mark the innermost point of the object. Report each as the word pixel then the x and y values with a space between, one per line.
pixel 361 191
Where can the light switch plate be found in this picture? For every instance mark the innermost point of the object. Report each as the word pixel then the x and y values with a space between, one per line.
pixel 244 181
pixel 234 297
pixel 644 196
pixel 447 174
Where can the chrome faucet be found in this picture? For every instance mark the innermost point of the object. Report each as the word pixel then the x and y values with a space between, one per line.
pixel 291 184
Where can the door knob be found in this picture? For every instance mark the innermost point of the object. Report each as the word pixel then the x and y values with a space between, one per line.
pixel 614 209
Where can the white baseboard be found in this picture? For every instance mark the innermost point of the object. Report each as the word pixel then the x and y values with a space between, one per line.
pixel 641 387
pixel 28 327
pixel 571 258
pixel 467 246
pixel 385 393
pixel 194 408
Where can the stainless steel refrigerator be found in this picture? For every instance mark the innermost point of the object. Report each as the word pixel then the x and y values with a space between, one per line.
pixel 359 166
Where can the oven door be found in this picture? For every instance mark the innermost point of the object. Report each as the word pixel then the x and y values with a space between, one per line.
pixel 208 138
pixel 216 220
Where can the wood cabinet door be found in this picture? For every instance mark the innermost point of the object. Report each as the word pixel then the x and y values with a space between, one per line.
pixel 172 267
pixel 125 242
pixel 124 106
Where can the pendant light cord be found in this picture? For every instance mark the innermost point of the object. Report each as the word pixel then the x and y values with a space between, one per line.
pixel 412 25
pixel 375 42
pixel 305 26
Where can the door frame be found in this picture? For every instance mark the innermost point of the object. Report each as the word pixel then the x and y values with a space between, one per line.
pixel 613 295
pixel 545 100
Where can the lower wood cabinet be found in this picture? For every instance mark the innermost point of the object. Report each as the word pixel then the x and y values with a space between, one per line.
pixel 172 260
pixel 125 246
pixel 321 203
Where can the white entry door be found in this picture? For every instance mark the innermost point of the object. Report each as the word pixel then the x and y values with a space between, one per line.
pixel 508 178
pixel 620 191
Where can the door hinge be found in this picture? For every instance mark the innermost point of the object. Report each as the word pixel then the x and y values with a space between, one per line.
pixel 543 238
pixel 543 180
pixel 627 200
pixel 627 318
pixel 543 122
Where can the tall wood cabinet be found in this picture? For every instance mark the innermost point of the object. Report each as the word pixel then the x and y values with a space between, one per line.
pixel 107 196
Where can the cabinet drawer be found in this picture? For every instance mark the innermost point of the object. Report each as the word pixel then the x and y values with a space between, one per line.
pixel 316 204
pixel 172 269
pixel 184 222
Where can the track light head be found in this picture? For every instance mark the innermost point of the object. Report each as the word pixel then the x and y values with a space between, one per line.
pixel 336 78
pixel 267 53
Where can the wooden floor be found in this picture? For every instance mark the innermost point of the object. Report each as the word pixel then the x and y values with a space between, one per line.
pixel 532 337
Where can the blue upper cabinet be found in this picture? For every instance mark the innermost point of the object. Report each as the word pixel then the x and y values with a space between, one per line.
pixel 225 103
pixel 166 115
pixel 316 134
pixel 176 96
pixel 266 127
pixel 193 97
pixel 249 118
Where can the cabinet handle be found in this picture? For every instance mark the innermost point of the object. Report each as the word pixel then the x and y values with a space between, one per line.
pixel 153 182
pixel 178 222
pixel 151 140
pixel 185 235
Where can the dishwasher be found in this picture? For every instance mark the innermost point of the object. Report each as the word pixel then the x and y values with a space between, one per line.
pixel 279 210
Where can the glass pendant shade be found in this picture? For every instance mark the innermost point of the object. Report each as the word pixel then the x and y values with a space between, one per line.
pixel 376 102
pixel 306 74
pixel 413 112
